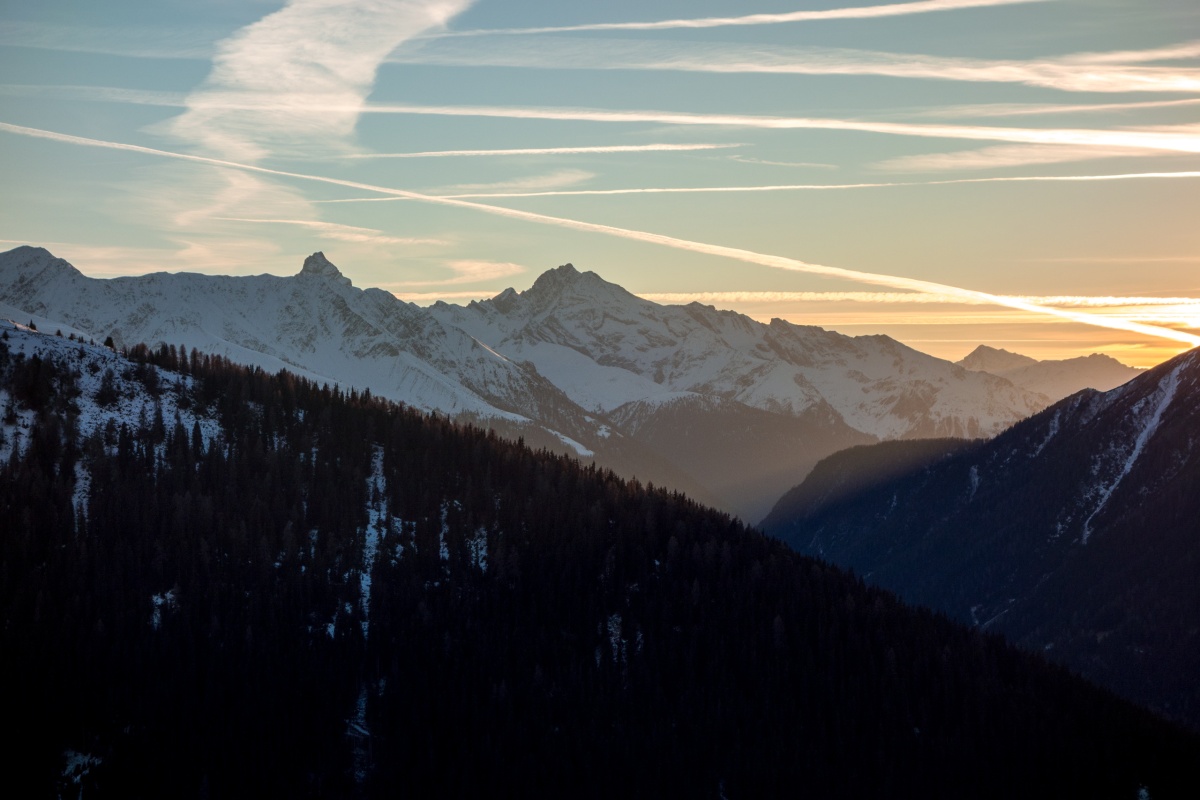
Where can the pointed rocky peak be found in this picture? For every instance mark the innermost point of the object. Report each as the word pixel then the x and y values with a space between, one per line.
pixel 504 302
pixel 993 359
pixel 556 279
pixel 317 265
pixel 566 285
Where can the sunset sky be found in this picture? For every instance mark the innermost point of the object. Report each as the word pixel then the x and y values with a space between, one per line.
pixel 1018 173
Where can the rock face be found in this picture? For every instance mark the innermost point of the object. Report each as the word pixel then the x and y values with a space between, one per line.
pixel 1055 379
pixel 1075 532
pixel 711 402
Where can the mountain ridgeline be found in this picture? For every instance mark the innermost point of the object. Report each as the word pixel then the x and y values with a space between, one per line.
pixel 222 582
pixel 710 402
pixel 1075 532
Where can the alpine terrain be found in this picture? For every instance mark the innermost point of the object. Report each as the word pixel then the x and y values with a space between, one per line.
pixel 1075 532
pixel 710 402
pixel 222 582
pixel 1055 379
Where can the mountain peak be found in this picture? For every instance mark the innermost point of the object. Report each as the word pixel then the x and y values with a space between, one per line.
pixel 993 359
pixel 568 283
pixel 557 277
pixel 38 261
pixel 318 265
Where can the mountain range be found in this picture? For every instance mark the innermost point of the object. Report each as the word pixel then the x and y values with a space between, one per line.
pixel 1054 379
pixel 1073 533
pixel 224 582
pixel 731 410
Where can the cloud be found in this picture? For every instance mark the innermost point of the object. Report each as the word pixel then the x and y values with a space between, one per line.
pixel 1033 109
pixel 298 78
pixel 292 83
pixel 534 183
pixel 799 187
pixel 858 12
pixel 548 151
pixel 1076 74
pixel 338 232
pixel 1013 155
pixel 911 298
pixel 1166 53
pixel 108 94
pixel 426 298
pixel 646 237
pixel 134 41
pixel 467 271
pixel 800 164
pixel 1179 141
pixel 108 261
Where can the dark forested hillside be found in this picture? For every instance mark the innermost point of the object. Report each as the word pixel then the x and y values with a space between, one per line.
pixel 308 592
pixel 847 473
pixel 1075 533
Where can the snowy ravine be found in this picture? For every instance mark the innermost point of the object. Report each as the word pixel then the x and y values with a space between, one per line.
pixel 1147 422
pixel 378 522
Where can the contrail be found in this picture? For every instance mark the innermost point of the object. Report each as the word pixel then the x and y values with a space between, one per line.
pixel 860 12
pixel 547 151
pixel 1182 140
pixel 737 254
pixel 1186 141
pixel 827 186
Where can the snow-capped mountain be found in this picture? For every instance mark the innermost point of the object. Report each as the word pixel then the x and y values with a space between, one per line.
pixel 708 401
pixel 315 323
pixel 745 406
pixel 607 348
pixel 1074 532
pixel 1055 379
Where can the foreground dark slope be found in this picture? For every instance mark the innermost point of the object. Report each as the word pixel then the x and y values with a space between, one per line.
pixel 338 597
pixel 1076 532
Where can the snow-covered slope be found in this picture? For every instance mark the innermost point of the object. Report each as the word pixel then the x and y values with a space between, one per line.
pixel 315 323
pixel 701 398
pixel 607 348
pixel 1055 379
pixel 137 393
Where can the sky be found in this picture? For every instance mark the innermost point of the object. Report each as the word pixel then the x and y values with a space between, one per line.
pixel 1018 173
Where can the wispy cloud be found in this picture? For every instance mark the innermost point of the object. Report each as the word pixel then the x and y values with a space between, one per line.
pixel 1169 312
pixel 1088 73
pixel 737 254
pixel 108 261
pixel 534 183
pixel 1012 155
pixel 549 151
pixel 465 271
pixel 1038 109
pixel 915 298
pixel 106 94
pixel 857 12
pixel 1167 53
pixel 292 83
pixel 426 298
pixel 132 41
pixel 798 164
pixel 300 76
pixel 338 232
